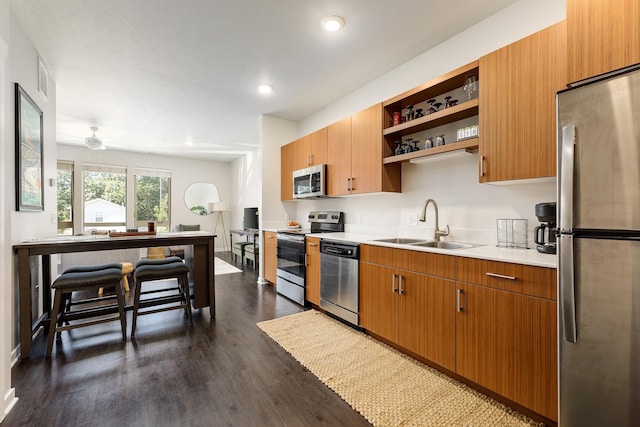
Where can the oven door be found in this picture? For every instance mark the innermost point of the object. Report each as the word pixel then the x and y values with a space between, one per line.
pixel 291 255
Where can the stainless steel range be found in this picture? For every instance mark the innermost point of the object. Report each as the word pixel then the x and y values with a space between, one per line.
pixel 291 269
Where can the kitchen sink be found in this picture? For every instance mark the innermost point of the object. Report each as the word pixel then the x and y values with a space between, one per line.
pixel 401 240
pixel 444 245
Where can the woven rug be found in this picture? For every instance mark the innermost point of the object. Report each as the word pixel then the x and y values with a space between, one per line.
pixel 223 267
pixel 387 387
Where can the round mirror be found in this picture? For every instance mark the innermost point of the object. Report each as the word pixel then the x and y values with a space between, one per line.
pixel 200 197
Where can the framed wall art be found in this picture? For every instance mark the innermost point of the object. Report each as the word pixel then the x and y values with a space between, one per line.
pixel 29 164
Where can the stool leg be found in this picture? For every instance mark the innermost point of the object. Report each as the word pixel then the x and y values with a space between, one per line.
pixel 123 314
pixel 57 304
pixel 136 306
pixel 125 282
pixel 185 286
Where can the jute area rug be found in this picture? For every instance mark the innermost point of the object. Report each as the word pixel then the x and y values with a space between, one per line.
pixel 387 387
pixel 223 267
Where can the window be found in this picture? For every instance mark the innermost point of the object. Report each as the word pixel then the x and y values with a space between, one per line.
pixel 104 191
pixel 64 180
pixel 153 198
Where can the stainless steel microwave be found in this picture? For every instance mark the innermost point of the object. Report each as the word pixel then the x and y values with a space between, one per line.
pixel 310 182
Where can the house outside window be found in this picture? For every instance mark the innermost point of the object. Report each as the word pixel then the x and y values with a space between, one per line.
pixel 104 195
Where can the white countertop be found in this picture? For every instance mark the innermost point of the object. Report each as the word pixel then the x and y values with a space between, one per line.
pixel 489 252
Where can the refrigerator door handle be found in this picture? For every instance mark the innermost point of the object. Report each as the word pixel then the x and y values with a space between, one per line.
pixel 567 288
pixel 566 177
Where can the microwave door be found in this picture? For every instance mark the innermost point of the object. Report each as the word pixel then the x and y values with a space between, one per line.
pixel 301 185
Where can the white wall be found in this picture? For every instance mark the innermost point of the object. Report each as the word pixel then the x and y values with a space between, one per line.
pixel 183 173
pixel 468 207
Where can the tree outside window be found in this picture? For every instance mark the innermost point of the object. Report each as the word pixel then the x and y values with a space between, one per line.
pixel 153 199
pixel 64 187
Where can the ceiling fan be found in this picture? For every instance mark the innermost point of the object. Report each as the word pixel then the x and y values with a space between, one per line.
pixel 93 142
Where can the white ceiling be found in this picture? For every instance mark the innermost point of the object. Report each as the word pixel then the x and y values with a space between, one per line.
pixel 153 73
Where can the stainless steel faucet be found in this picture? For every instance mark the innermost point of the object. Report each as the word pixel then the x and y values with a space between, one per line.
pixel 423 217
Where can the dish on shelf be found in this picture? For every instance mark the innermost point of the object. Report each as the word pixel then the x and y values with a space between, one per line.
pixel 293 227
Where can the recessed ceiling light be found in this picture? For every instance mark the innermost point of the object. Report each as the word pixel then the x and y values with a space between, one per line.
pixel 332 23
pixel 265 89
pixel 188 142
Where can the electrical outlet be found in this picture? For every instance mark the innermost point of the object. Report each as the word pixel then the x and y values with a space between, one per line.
pixel 412 219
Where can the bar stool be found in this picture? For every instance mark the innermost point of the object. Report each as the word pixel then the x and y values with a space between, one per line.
pixel 239 250
pixel 81 278
pixel 147 270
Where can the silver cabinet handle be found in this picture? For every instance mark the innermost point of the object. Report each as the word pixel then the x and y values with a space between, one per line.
pixel 353 187
pixel 393 283
pixel 567 292
pixel 305 260
pixel 400 290
pixel 459 301
pixel 482 165
pixel 500 276
pixel 565 174
pixel 313 244
pixel 348 184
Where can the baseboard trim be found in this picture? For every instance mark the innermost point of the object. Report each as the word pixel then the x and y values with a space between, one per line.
pixel 10 401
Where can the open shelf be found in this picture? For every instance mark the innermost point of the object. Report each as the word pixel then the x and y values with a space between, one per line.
pixel 469 145
pixel 442 117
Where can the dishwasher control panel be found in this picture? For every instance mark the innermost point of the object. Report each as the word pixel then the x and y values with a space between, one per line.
pixel 341 249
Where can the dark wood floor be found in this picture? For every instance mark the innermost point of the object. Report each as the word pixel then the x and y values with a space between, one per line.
pixel 223 372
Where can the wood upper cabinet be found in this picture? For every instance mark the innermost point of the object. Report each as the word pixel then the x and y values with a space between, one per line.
pixel 355 156
pixel 517 106
pixel 506 340
pixel 339 158
pixel 313 270
pixel 288 164
pixel 602 36
pixel 411 309
pixel 368 174
pixel 312 149
pixel 270 245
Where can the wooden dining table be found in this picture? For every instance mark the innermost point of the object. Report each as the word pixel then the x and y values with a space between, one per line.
pixel 202 275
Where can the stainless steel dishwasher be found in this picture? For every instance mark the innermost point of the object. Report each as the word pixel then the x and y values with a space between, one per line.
pixel 339 279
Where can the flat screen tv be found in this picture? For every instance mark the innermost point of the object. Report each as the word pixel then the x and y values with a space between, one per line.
pixel 250 220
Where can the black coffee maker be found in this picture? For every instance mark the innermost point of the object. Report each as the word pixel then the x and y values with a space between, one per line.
pixel 545 234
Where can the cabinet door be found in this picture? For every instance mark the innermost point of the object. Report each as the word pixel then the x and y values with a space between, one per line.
pixel 507 343
pixel 602 36
pixel 339 158
pixel 368 174
pixel 313 270
pixel 427 317
pixel 312 149
pixel 517 106
pixel 270 244
pixel 288 160
pixel 379 300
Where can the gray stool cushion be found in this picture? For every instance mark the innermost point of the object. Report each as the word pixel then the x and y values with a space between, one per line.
pixel 80 268
pixel 158 261
pixel 76 280
pixel 149 271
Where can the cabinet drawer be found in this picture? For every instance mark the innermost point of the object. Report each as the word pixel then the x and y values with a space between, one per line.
pixel 524 279
pixel 409 260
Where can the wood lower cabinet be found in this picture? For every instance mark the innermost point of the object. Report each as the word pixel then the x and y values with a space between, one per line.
pixel 312 291
pixel 518 106
pixel 507 341
pixel 495 324
pixel 270 247
pixel 602 36
pixel 413 310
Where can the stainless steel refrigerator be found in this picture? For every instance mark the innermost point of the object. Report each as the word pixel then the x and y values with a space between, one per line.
pixel 599 252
